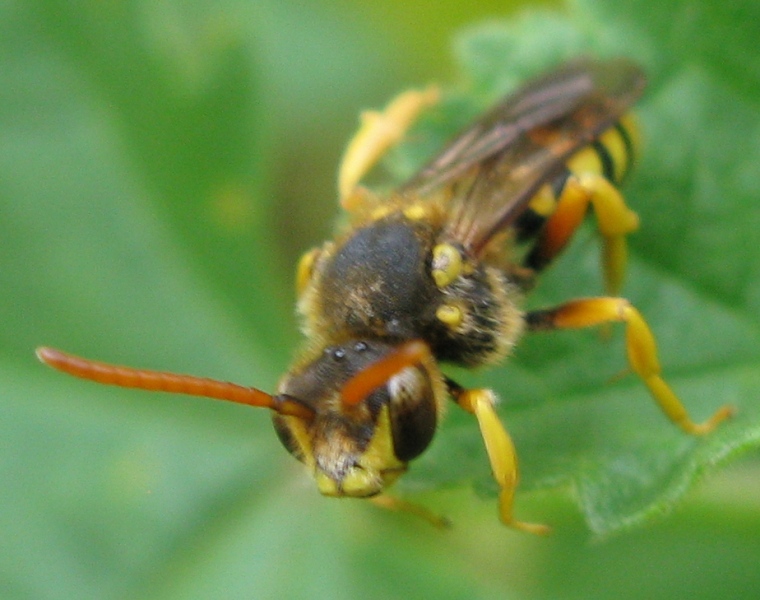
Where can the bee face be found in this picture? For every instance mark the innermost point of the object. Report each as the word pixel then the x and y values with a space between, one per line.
pixel 358 450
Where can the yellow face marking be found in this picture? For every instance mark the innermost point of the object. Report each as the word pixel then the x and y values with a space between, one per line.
pixel 377 467
pixel 300 434
pixel 380 455
pixel 447 264
pixel 325 485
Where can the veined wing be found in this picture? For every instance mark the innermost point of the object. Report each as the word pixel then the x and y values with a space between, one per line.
pixel 495 167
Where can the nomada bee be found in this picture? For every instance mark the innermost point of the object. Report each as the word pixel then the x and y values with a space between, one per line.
pixel 436 272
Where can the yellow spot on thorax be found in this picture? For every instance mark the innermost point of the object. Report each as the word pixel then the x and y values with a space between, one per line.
pixel 447 264
pixel 449 315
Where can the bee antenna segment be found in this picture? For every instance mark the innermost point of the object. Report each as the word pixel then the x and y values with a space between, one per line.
pixel 379 372
pixel 162 381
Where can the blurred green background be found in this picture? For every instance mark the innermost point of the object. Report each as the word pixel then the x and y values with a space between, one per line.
pixel 162 166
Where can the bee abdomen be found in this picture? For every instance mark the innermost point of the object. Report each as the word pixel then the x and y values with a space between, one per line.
pixel 611 155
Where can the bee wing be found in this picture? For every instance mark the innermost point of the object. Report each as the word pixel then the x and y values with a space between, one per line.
pixel 497 165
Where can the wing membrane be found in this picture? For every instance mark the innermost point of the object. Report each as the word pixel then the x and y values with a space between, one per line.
pixel 496 166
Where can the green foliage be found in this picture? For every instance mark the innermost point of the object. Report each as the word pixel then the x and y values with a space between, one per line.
pixel 140 223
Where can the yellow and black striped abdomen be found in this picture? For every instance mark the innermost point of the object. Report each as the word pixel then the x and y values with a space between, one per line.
pixel 610 155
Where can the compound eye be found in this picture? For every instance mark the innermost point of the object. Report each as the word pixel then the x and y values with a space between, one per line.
pixel 413 412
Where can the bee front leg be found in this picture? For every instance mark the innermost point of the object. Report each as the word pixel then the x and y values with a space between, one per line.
pixel 641 348
pixel 615 221
pixel 378 132
pixel 397 504
pixel 500 450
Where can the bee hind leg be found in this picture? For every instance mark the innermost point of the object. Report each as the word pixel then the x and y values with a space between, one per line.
pixel 641 349
pixel 500 450
pixel 615 220
pixel 377 133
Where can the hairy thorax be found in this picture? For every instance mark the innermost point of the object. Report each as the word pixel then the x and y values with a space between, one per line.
pixel 377 283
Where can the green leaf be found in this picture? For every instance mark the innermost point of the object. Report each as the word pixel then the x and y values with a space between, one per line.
pixel 140 222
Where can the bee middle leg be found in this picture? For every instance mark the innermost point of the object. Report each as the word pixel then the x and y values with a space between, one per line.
pixel 500 450
pixel 615 220
pixel 640 345
pixel 377 133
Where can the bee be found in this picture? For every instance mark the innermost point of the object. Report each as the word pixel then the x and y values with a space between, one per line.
pixel 436 272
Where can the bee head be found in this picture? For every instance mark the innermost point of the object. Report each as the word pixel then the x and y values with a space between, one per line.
pixel 375 407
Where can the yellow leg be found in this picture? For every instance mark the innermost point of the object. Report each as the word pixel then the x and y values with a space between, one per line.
pixel 305 269
pixel 614 218
pixel 641 348
pixel 393 503
pixel 377 133
pixel 501 453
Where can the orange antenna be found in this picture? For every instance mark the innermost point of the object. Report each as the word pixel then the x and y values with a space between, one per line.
pixel 365 381
pixel 170 382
